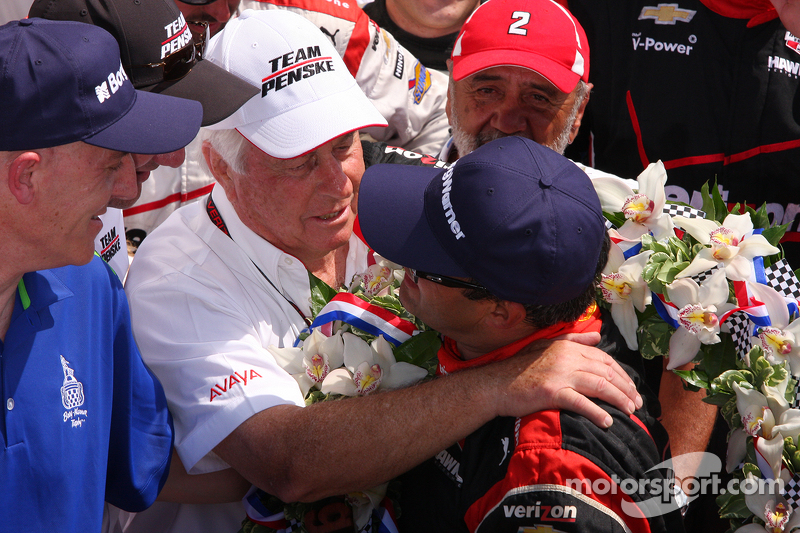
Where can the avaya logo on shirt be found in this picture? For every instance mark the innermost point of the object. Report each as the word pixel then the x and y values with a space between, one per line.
pixel 234 379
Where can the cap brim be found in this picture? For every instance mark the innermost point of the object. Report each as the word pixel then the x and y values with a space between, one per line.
pixel 155 124
pixel 392 217
pixel 220 92
pixel 563 79
pixel 309 125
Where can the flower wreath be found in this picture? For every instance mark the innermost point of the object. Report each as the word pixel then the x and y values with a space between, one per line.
pixel 360 341
pixel 711 286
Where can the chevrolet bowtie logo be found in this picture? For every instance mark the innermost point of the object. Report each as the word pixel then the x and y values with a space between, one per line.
pixel 666 14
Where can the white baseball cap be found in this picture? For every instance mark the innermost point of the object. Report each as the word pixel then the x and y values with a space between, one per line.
pixel 307 97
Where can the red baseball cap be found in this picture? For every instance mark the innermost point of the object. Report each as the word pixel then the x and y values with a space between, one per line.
pixel 539 35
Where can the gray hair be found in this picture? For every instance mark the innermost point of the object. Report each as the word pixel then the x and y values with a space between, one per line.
pixel 230 145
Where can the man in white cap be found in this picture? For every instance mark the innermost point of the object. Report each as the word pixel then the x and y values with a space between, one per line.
pixel 83 420
pixel 220 281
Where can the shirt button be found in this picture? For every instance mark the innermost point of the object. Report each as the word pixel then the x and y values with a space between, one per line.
pixel 10 404
pixel 287 260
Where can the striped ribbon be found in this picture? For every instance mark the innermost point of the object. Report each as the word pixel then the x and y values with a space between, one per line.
pixel 367 317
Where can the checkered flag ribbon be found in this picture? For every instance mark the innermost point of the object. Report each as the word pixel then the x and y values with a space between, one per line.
pixel 781 278
pixel 702 276
pixel 791 491
pixel 796 402
pixel 740 329
pixel 674 210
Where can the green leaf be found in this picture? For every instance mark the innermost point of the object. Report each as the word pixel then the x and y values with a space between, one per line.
pixel 760 218
pixel 321 293
pixel 720 207
pixel 708 202
pixel 717 399
pixel 653 336
pixel 719 357
pixel 775 234
pixel 618 219
pixel 733 506
pixel 419 349
pixel 696 378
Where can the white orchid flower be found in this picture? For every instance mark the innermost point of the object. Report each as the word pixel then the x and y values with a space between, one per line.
pixel 699 309
pixel 771 508
pixel 737 449
pixel 728 243
pixel 623 287
pixel 769 417
pixel 643 209
pixel 780 340
pixel 369 367
pixel 312 363
pixel 377 278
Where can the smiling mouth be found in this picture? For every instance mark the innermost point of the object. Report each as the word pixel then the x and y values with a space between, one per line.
pixel 331 215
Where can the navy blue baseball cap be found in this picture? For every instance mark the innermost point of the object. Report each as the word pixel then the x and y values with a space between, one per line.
pixel 63 82
pixel 522 220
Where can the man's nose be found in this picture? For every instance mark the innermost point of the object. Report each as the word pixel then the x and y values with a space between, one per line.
pixel 508 117
pixel 171 159
pixel 126 186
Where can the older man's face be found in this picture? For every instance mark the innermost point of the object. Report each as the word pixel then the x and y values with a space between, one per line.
pixel 503 101
pixel 305 206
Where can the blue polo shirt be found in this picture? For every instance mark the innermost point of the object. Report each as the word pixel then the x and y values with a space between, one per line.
pixel 83 419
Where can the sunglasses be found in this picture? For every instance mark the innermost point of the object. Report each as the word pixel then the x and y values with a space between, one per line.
pixel 444 280
pixel 177 65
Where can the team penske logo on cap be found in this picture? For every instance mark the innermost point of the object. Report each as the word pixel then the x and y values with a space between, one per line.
pixel 666 14
pixel 178 36
pixel 292 67
pixel 110 87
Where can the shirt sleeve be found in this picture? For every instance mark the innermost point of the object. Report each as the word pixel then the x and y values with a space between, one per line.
pixel 209 350
pixel 140 441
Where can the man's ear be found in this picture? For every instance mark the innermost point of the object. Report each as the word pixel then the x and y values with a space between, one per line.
pixel 579 115
pixel 219 169
pixel 20 176
pixel 506 315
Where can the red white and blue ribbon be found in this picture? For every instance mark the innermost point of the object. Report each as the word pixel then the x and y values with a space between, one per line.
pixel 668 311
pixel 367 317
pixel 258 513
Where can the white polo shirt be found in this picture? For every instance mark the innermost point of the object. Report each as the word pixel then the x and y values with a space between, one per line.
pixel 203 316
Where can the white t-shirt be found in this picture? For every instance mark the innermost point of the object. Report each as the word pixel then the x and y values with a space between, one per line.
pixel 203 316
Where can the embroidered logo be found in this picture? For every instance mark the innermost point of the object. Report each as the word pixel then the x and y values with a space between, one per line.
pixel 666 14
pixel 449 465
pixel 792 42
pixel 504 442
pixel 234 379
pixel 115 81
pixel 111 245
pixel 72 396
pixel 420 83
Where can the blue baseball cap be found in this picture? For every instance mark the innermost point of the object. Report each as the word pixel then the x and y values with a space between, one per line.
pixel 522 220
pixel 63 82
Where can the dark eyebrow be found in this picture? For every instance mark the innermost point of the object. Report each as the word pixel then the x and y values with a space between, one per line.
pixel 544 86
